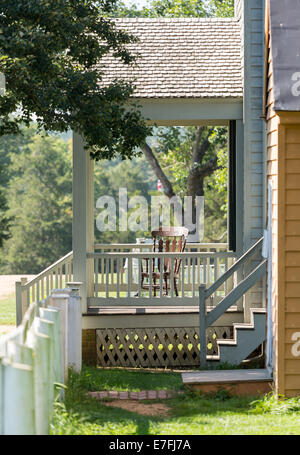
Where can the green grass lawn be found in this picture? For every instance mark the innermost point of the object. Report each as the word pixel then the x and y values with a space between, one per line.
pixel 8 311
pixel 190 413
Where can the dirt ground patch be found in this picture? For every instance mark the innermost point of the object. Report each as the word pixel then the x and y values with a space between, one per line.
pixel 151 409
pixel 7 284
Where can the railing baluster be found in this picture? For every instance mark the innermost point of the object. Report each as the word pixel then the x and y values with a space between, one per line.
pixel 61 276
pixel 216 263
pixel 225 270
pixel 118 277
pixel 56 278
pixel 38 291
pixel 112 264
pixel 102 271
pixel 193 276
pixel 96 265
pixel 107 277
pixel 189 271
pixel 172 278
pixel 161 276
pixel 182 278
pixel 33 293
pixel 42 289
pixel 150 278
pixel 129 276
pixel 139 277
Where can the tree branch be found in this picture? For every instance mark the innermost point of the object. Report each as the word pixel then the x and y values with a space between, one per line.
pixel 150 157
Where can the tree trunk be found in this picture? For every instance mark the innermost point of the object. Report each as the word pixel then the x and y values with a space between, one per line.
pixel 151 158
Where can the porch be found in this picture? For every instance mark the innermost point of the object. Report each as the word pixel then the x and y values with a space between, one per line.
pixel 117 278
pixel 129 326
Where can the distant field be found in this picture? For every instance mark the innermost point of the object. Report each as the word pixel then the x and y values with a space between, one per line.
pixel 8 310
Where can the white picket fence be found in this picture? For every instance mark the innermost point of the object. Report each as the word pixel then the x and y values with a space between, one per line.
pixel 36 356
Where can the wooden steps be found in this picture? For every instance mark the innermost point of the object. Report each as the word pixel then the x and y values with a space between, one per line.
pixel 235 382
pixel 246 338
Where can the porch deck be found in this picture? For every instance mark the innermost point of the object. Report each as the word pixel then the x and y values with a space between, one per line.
pixel 98 310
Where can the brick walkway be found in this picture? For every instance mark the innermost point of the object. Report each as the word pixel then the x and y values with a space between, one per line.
pixel 143 395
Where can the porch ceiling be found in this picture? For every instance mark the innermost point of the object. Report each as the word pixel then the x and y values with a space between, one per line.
pixel 190 58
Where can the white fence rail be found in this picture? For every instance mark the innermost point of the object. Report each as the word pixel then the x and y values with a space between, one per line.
pixel 36 356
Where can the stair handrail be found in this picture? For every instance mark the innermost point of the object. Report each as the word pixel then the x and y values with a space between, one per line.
pixel 244 258
pixel 23 288
pixel 206 320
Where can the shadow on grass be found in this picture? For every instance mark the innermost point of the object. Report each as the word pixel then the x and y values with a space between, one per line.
pixel 96 379
pixel 98 418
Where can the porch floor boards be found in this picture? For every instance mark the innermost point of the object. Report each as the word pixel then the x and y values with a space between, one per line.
pixel 235 382
pixel 98 310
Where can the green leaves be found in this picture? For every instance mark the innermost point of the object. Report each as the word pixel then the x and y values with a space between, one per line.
pixel 177 8
pixel 53 51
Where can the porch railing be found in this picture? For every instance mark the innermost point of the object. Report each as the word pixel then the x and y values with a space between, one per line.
pixel 118 274
pixel 40 287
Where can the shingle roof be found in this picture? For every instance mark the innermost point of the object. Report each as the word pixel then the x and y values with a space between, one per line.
pixel 181 58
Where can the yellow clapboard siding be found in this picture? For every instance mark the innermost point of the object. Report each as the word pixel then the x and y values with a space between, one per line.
pixel 293 151
pixel 292 304
pixel 288 335
pixel 292 259
pixel 292 366
pixel 292 381
pixel 293 197
pixel 293 181
pixel 292 212
pixel 293 166
pixel 292 289
pixel 292 273
pixel 292 135
pixel 292 320
pixel 288 352
pixel 292 243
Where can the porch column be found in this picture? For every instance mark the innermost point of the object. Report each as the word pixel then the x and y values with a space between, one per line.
pixel 239 186
pixel 239 200
pixel 83 218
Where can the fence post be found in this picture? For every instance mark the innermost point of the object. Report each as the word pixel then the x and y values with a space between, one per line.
pixel 75 328
pixel 18 399
pixel 46 327
pixel 25 304
pixel 60 302
pixel 18 302
pixel 41 345
pixel 202 325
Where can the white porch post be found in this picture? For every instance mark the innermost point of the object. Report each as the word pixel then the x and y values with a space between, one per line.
pixel 83 218
pixel 239 199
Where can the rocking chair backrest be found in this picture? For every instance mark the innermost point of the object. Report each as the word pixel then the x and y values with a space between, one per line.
pixel 170 239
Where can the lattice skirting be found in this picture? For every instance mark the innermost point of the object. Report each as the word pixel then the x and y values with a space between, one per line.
pixel 150 347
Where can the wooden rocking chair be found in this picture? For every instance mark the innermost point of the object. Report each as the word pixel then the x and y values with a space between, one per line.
pixel 165 239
